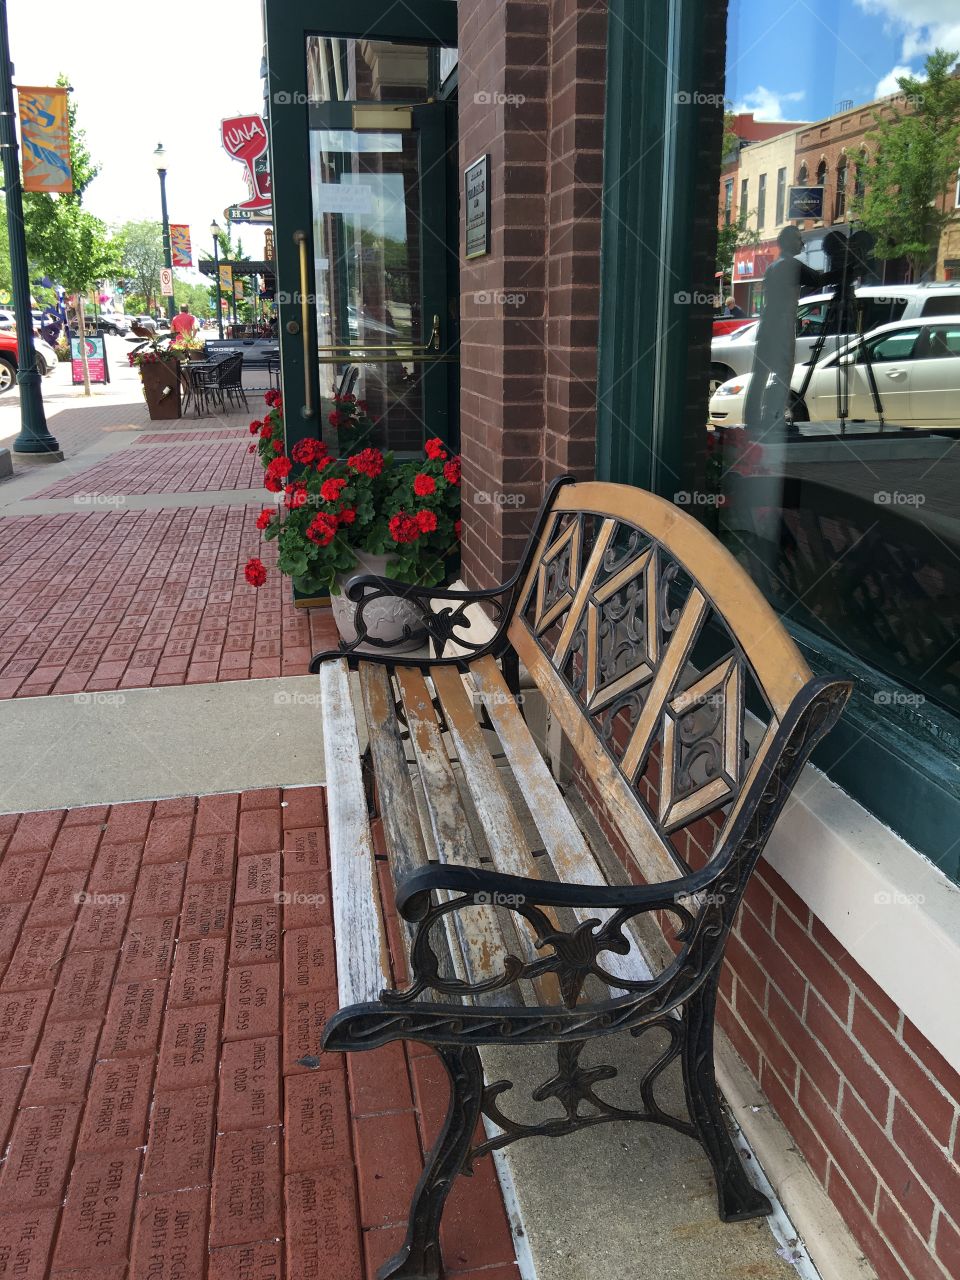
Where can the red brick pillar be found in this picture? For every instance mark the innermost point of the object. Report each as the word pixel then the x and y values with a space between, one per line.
pixel 531 97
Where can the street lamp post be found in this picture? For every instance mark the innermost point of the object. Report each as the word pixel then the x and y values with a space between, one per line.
pixel 215 232
pixel 34 443
pixel 160 156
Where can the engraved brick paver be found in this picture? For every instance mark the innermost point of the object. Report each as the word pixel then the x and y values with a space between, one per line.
pixel 163 1112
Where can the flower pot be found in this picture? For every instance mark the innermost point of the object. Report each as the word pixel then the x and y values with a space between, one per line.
pixel 190 353
pixel 386 619
pixel 161 389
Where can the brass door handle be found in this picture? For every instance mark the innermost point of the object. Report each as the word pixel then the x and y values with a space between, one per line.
pixel 434 343
pixel 300 239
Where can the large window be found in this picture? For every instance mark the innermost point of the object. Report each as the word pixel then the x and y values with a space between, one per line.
pixel 823 447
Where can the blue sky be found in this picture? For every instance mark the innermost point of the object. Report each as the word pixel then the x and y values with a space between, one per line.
pixel 798 59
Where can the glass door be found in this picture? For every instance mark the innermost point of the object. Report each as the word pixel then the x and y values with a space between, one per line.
pixel 362 125
pixel 385 326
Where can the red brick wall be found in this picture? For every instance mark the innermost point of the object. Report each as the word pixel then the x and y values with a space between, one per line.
pixel 530 96
pixel 869 1102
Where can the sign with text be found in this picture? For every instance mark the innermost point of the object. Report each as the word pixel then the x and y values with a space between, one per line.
pixel 166 282
pixel 45 139
pixel 96 360
pixel 245 140
pixel 342 197
pixel 180 246
pixel 476 192
pixel 805 202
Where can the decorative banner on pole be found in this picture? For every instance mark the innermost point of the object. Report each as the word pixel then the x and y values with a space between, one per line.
pixel 226 279
pixel 166 282
pixel 180 246
pixel 45 139
pixel 238 291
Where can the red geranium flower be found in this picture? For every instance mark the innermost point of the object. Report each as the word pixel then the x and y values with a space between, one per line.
pixel 347 515
pixel 404 528
pixel 426 521
pixel 457 527
pixel 266 431
pixel 308 450
pixel 255 426
pixel 255 573
pixel 264 518
pixel 278 446
pixel 451 471
pixel 280 467
pixel 273 398
pixel 434 448
pixel 272 483
pixel 295 496
pixel 322 529
pixel 423 485
pixel 369 462
pixel 331 489
pixel 362 406
pixel 252 448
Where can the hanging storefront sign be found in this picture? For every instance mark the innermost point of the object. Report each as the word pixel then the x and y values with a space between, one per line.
pixel 476 191
pixel 805 202
pixel 245 140
pixel 268 248
pixel 226 279
pixel 239 213
pixel 96 360
pixel 180 246
pixel 45 139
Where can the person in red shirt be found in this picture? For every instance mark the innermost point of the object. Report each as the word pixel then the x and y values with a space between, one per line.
pixel 184 325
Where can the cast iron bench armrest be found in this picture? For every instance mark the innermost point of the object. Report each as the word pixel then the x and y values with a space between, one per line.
pixel 414 890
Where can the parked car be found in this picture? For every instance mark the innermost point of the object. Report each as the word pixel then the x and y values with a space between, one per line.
pixel 916 365
pixel 8 319
pixel 46 358
pixel 723 325
pixel 111 322
pixel 732 354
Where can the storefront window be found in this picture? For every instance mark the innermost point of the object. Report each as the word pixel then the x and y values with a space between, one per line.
pixel 833 471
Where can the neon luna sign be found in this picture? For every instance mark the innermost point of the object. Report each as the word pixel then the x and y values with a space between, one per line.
pixel 245 139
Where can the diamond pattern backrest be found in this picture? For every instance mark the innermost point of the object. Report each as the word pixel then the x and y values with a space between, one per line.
pixel 636 622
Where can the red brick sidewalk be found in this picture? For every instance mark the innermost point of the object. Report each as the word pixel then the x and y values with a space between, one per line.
pixel 159 1124
pixel 122 599
pixel 194 467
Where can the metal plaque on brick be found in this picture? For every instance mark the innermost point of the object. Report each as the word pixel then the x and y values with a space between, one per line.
pixel 476 202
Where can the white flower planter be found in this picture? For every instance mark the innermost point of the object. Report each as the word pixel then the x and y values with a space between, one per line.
pixel 385 619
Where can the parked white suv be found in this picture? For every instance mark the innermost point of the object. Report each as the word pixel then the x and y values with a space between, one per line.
pixel 732 354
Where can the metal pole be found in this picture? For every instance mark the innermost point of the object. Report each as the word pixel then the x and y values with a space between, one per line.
pixel 216 272
pixel 167 253
pixel 34 438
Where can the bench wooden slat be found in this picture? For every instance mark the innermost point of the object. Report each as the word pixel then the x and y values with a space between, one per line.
pixel 562 838
pixel 363 967
pixel 502 828
pixel 478 930
pixel 636 828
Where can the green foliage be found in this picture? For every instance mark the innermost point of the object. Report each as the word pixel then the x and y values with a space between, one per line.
pixel 141 258
pixel 914 165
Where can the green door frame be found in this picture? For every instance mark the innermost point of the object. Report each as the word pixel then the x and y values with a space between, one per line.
pixel 288 23
pixel 903 766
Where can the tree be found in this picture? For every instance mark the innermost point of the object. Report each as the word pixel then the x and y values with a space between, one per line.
pixel 913 166
pixel 141 258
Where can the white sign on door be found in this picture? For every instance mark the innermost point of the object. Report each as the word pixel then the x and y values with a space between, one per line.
pixel 343 197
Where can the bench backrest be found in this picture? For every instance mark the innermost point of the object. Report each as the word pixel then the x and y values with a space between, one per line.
pixel 648 639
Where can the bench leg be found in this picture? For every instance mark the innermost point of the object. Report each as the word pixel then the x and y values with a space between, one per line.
pixel 738 1198
pixel 419 1258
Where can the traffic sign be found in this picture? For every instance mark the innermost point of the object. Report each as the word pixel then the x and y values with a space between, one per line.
pixel 166 282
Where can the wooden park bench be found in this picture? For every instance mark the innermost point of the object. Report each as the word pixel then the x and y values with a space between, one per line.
pixel 650 645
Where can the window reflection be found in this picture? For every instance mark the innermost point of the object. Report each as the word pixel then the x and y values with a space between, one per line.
pixel 833 466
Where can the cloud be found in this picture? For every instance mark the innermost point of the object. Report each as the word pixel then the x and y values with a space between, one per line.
pixel 767 104
pixel 923 25
pixel 888 84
